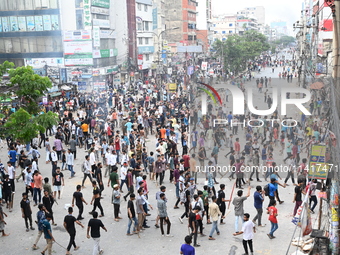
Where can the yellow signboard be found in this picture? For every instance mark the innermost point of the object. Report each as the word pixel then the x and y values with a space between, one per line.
pixel 318 168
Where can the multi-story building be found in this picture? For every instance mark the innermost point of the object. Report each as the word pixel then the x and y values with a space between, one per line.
pixel 31 29
pixel 204 32
pixel 67 40
pixel 145 36
pixel 257 12
pixel 224 26
pixel 181 14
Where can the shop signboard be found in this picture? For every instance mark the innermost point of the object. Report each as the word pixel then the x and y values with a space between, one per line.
pixel 78 47
pixel 77 35
pixel 318 168
pixel 101 3
pixel 78 60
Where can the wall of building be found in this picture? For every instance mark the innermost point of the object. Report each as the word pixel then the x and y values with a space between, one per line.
pixel 29 29
pixel 145 37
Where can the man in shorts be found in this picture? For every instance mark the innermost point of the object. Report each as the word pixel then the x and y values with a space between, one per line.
pixel 58 181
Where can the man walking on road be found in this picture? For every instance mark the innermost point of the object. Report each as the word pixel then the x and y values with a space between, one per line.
pixel 48 234
pixel 193 224
pixel 248 230
pixel 258 204
pixel 94 225
pixel 214 212
pixel 163 214
pixel 69 221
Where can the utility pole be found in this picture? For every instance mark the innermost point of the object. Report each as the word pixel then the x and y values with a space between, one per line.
pixel 336 41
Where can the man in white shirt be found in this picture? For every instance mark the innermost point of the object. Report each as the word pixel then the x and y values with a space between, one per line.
pixel 70 162
pixel 248 230
pixel 123 173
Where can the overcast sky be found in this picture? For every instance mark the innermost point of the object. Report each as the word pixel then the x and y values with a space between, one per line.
pixel 288 10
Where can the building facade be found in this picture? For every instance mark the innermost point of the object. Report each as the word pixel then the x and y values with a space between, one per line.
pixel 145 36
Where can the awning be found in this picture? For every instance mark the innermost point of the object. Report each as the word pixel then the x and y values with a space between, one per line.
pixel 317 85
pixel 65 87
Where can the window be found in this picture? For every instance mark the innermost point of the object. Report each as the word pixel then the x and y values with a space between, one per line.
pixel 223 32
pixel 145 8
pixel 147 57
pixel 139 26
pixel 230 31
pixel 79 3
pixel 140 40
pixel 139 7
pixel 146 40
pixel 146 25
pixel 80 19
pixel 230 24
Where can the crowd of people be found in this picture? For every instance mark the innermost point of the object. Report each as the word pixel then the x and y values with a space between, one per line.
pixel 141 136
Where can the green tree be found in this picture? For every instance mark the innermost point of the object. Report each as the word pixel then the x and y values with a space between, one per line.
pixel 237 50
pixel 28 87
pixel 20 125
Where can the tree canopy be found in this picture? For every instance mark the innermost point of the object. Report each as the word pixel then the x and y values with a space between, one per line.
pixel 29 88
pixel 238 49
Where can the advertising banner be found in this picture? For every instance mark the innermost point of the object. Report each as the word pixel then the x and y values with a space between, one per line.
pixel 47 22
pixel 87 14
pixel 22 23
pixel 55 22
pixel 96 36
pixel 41 62
pixel 101 23
pixel 98 10
pixel 30 23
pixel 318 169
pixel 78 60
pixel 101 3
pixel 14 23
pixel 5 24
pixel 77 35
pixel 79 47
pixel 38 20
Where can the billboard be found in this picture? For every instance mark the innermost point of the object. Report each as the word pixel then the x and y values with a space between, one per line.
pixel 78 47
pixel 77 35
pixel 101 3
pixel 78 60
pixel 318 168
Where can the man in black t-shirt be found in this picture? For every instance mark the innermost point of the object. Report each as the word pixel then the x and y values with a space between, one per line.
pixel 193 224
pixel 96 199
pixel 78 196
pixel 26 211
pixel 94 225
pixel 132 215
pixel 57 182
pixel 69 221
pixel 221 201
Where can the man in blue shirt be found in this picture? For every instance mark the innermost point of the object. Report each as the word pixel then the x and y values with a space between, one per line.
pixel 48 234
pixel 258 204
pixel 187 249
pixel 12 156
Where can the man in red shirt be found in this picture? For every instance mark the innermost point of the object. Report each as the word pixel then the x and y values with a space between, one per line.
pixel 186 159
pixel 237 148
pixel 117 147
pixel 272 211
